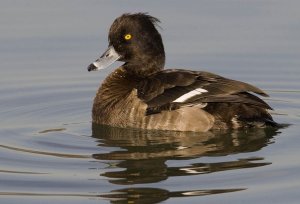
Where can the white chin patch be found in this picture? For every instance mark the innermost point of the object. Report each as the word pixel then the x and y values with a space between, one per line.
pixel 190 94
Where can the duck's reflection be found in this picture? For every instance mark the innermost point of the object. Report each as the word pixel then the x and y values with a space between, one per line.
pixel 143 155
pixel 156 195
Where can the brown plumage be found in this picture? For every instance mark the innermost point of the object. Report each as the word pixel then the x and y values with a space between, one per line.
pixel 141 94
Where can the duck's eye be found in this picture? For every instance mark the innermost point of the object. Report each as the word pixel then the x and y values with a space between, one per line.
pixel 127 36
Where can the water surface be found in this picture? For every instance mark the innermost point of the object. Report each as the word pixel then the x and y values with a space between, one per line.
pixel 50 151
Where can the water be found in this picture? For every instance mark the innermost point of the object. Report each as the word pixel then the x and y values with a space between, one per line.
pixel 50 152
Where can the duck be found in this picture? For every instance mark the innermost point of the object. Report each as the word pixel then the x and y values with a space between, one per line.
pixel 142 94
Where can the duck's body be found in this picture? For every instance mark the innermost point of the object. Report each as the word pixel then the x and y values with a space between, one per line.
pixel 124 108
pixel 141 94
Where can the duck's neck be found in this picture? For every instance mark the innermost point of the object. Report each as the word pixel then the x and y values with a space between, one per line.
pixel 145 65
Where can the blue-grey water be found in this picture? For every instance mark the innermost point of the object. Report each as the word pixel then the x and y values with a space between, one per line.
pixel 50 153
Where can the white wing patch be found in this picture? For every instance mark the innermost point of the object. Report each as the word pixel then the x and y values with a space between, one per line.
pixel 190 94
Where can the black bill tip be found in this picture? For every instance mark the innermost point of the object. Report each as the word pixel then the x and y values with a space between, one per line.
pixel 92 67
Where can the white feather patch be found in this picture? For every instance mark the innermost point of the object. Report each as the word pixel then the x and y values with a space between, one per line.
pixel 190 94
pixel 190 170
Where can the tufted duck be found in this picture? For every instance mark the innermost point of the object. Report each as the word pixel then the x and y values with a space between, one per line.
pixel 141 94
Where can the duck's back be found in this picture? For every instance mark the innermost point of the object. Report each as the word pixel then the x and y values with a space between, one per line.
pixel 178 100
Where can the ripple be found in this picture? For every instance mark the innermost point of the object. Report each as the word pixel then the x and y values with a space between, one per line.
pixel 44 153
pixel 19 172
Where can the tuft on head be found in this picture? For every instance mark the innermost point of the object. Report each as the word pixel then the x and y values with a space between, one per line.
pixel 135 19
pixel 143 16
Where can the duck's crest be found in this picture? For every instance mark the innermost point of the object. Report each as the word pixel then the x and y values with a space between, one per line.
pixel 145 16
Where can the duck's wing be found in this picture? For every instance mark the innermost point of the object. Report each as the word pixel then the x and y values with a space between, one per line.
pixel 173 88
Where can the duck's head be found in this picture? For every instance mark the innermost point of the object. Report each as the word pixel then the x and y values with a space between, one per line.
pixel 134 39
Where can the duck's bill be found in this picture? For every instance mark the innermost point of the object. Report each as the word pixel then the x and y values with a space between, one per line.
pixel 108 57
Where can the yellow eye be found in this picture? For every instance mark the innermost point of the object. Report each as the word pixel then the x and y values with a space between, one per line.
pixel 127 37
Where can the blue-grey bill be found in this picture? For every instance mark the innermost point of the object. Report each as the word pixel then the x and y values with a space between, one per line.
pixel 109 57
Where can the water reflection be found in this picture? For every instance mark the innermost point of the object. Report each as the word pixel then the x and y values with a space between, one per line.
pixel 142 157
pixel 155 195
